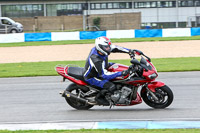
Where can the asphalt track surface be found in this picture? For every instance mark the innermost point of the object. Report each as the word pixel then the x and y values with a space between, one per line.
pixel 37 100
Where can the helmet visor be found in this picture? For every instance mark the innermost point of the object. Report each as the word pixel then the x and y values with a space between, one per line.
pixel 106 48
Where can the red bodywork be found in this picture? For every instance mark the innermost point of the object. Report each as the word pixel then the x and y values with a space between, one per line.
pixel 62 70
pixel 152 85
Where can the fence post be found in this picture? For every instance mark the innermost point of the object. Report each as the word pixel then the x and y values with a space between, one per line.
pixel 36 23
pixel 84 21
pixel 33 28
pixel 62 27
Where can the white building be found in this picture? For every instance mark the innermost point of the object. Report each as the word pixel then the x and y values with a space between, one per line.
pixel 156 14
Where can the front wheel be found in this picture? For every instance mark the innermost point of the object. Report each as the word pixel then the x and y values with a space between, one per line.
pixel 13 31
pixel 164 97
pixel 74 89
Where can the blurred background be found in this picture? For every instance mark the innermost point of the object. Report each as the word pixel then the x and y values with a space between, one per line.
pixel 92 15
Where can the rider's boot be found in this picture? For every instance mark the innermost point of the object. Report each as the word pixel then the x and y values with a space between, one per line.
pixel 100 98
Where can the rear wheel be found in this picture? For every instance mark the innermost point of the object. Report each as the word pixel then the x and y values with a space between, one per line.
pixel 164 97
pixel 73 88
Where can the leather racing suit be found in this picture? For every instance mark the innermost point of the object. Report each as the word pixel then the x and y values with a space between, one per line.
pixel 96 66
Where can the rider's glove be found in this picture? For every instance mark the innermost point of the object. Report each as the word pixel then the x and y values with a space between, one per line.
pixel 125 72
pixel 131 51
pixel 135 51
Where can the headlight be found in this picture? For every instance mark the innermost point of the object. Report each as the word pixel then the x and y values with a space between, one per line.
pixel 19 26
pixel 153 76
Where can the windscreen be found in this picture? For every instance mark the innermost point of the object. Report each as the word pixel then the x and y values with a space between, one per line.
pixel 12 21
pixel 145 63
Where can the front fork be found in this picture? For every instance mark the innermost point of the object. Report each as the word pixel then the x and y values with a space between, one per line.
pixel 151 88
pixel 152 94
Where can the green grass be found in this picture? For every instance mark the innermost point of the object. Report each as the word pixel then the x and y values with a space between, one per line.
pixel 47 68
pixel 91 41
pixel 110 131
pixel 46 43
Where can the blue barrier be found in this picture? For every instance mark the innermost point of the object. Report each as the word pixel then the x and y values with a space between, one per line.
pixel 195 31
pixel 91 34
pixel 148 124
pixel 148 33
pixel 30 37
pixel 122 125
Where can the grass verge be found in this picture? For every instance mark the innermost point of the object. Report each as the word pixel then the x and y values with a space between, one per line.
pixel 109 131
pixel 90 41
pixel 47 68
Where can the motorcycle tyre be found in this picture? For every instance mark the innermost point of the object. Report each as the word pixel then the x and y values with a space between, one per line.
pixel 74 104
pixel 156 105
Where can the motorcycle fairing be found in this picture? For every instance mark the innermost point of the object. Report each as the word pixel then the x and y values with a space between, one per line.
pixel 133 81
pixel 138 100
pixel 155 84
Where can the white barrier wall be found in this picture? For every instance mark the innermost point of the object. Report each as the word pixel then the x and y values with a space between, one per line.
pixel 80 35
pixel 58 36
pixel 120 33
pixel 176 32
pixel 9 38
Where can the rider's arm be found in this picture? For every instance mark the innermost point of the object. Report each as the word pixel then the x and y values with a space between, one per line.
pixel 110 64
pixel 105 74
pixel 99 65
pixel 118 49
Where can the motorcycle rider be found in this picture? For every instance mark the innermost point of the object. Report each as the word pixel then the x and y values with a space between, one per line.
pixel 96 66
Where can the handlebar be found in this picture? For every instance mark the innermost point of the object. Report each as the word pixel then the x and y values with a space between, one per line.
pixel 135 61
pixel 138 52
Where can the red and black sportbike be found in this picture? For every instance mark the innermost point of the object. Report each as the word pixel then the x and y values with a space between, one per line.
pixel 142 75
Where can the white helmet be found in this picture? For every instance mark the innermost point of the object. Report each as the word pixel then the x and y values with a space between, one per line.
pixel 102 44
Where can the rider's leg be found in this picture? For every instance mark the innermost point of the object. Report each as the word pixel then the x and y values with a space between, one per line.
pixel 109 89
pixel 106 87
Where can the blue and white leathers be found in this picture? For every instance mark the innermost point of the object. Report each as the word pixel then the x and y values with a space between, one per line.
pixel 96 67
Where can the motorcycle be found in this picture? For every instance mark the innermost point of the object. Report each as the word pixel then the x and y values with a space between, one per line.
pixel 142 75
